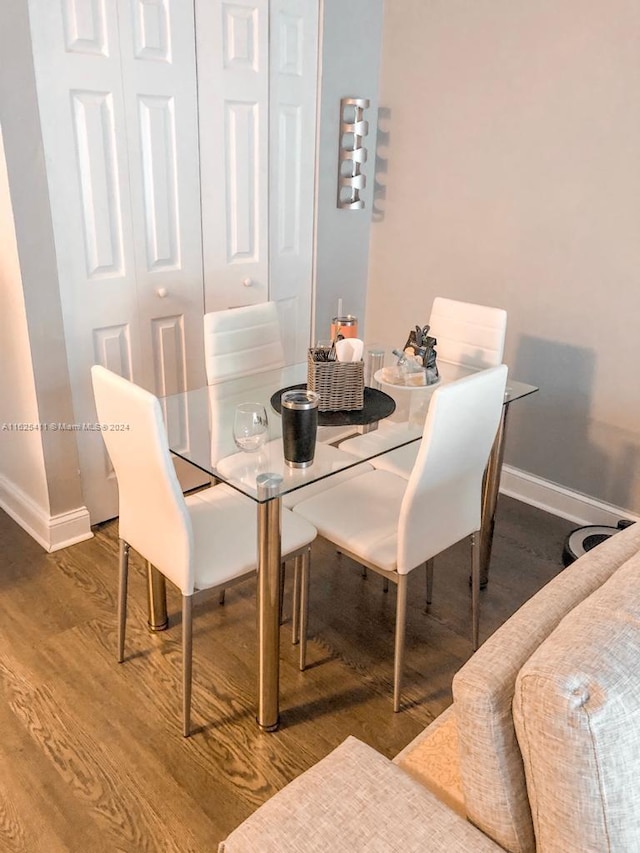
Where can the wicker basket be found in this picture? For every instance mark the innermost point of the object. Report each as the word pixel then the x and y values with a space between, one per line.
pixel 340 385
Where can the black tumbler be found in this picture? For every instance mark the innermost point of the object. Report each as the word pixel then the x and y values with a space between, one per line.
pixel 299 409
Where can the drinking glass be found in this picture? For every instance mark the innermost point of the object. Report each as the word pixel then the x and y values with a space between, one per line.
pixel 250 426
pixel 373 363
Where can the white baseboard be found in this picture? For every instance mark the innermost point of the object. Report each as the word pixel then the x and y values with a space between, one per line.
pixel 51 531
pixel 559 500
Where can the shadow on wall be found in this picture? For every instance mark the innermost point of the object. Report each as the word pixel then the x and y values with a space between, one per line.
pixel 381 164
pixel 551 433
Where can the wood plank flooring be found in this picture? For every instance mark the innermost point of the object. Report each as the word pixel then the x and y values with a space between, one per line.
pixel 91 752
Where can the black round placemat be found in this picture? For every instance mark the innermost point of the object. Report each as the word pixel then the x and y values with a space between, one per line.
pixel 377 405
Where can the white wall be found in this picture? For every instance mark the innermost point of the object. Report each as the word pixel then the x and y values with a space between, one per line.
pixel 64 519
pixel 21 457
pixel 350 65
pixel 513 179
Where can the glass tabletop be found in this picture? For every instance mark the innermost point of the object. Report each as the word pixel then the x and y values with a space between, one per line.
pixel 200 429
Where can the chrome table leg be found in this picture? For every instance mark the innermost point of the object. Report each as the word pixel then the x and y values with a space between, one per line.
pixel 156 599
pixel 490 488
pixel 268 604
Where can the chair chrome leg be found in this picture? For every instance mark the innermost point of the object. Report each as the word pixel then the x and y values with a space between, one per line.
pixel 305 564
pixel 295 613
pixel 401 620
pixel 123 577
pixel 475 588
pixel 429 572
pixel 187 658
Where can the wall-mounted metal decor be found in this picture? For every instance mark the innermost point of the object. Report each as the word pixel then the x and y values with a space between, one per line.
pixel 353 129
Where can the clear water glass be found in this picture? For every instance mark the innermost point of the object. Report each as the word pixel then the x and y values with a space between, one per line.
pixel 374 361
pixel 250 426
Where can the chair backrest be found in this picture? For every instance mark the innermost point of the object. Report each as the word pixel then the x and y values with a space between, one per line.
pixel 153 516
pixel 239 341
pixel 442 502
pixel 468 334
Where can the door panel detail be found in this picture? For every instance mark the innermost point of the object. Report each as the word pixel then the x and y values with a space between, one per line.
pixel 167 334
pixel 240 39
pixel 85 28
pixel 288 190
pixel 112 349
pixel 243 218
pixel 98 171
pixel 169 354
pixel 157 143
pixel 289 30
pixel 151 30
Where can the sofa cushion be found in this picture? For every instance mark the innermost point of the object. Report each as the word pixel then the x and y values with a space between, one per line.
pixel 432 759
pixel 355 800
pixel 577 717
pixel 491 769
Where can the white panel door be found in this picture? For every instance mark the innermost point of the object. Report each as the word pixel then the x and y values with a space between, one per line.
pixel 292 140
pixel 257 81
pixel 233 94
pixel 116 88
pixel 157 41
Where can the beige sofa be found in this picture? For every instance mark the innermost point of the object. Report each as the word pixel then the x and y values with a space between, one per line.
pixel 539 751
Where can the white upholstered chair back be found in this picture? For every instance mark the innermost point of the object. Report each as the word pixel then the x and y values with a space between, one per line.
pixel 154 519
pixel 240 341
pixel 468 334
pixel 442 502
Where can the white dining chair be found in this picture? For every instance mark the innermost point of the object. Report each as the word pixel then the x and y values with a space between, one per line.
pixel 392 525
pixel 241 341
pixel 244 341
pixel 200 543
pixel 467 334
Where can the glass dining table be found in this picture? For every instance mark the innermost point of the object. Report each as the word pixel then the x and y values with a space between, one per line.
pixel 200 431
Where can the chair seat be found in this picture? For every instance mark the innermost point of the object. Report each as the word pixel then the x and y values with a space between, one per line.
pixel 361 516
pixel 379 440
pixel 225 530
pixel 399 462
pixel 328 454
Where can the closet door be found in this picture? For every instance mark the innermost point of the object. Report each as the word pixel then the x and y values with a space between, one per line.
pixel 293 95
pixel 117 97
pixel 233 95
pixel 257 80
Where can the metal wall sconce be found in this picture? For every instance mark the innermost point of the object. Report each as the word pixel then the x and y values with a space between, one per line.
pixel 353 129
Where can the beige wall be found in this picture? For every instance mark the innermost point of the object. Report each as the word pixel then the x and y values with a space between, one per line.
pixel 512 176
pixel 21 456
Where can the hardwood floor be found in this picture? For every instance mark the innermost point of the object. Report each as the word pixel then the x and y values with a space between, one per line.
pixel 91 752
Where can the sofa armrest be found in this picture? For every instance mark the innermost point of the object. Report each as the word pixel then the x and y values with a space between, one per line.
pixel 355 800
